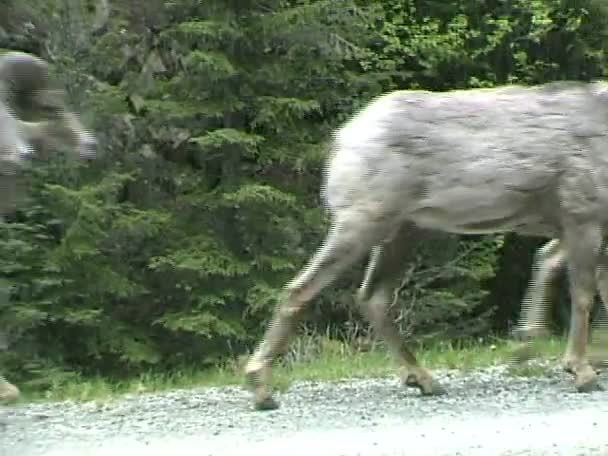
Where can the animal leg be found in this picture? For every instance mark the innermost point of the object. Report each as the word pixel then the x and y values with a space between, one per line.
pixel 550 259
pixel 583 246
pixel 599 358
pixel 8 391
pixel 347 242
pixel 532 324
pixel 374 299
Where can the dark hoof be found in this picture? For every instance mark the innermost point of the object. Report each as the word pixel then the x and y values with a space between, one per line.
pixel 586 380
pixel 265 404
pixel 589 386
pixel 429 387
pixel 263 400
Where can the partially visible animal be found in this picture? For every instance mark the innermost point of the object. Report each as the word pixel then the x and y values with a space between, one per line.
pixel 530 160
pixel 24 79
pixel 8 391
pixel 25 87
pixel 550 260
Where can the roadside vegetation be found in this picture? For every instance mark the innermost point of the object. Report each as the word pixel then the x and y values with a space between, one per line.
pixel 311 358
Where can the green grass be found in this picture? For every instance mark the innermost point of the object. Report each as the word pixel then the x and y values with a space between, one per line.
pixel 316 359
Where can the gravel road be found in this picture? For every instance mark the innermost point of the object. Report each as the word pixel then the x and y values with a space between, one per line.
pixel 486 412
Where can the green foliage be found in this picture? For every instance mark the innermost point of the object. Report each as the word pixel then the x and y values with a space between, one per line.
pixel 472 44
pixel 445 286
pixel 213 119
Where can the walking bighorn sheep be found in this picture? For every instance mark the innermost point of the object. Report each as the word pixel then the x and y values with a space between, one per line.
pixel 24 86
pixel 530 160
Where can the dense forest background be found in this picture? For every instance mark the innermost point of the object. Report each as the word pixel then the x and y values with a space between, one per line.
pixel 213 118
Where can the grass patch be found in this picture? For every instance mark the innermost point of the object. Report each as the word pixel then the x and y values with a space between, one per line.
pixel 311 358
pixel 528 370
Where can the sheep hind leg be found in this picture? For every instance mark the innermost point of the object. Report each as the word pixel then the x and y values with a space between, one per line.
pixel 347 242
pixel 374 299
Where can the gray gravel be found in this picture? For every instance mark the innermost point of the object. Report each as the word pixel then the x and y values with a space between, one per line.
pixel 486 412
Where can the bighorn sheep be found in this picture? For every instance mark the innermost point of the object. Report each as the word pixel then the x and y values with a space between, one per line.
pixel 24 85
pixel 530 160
